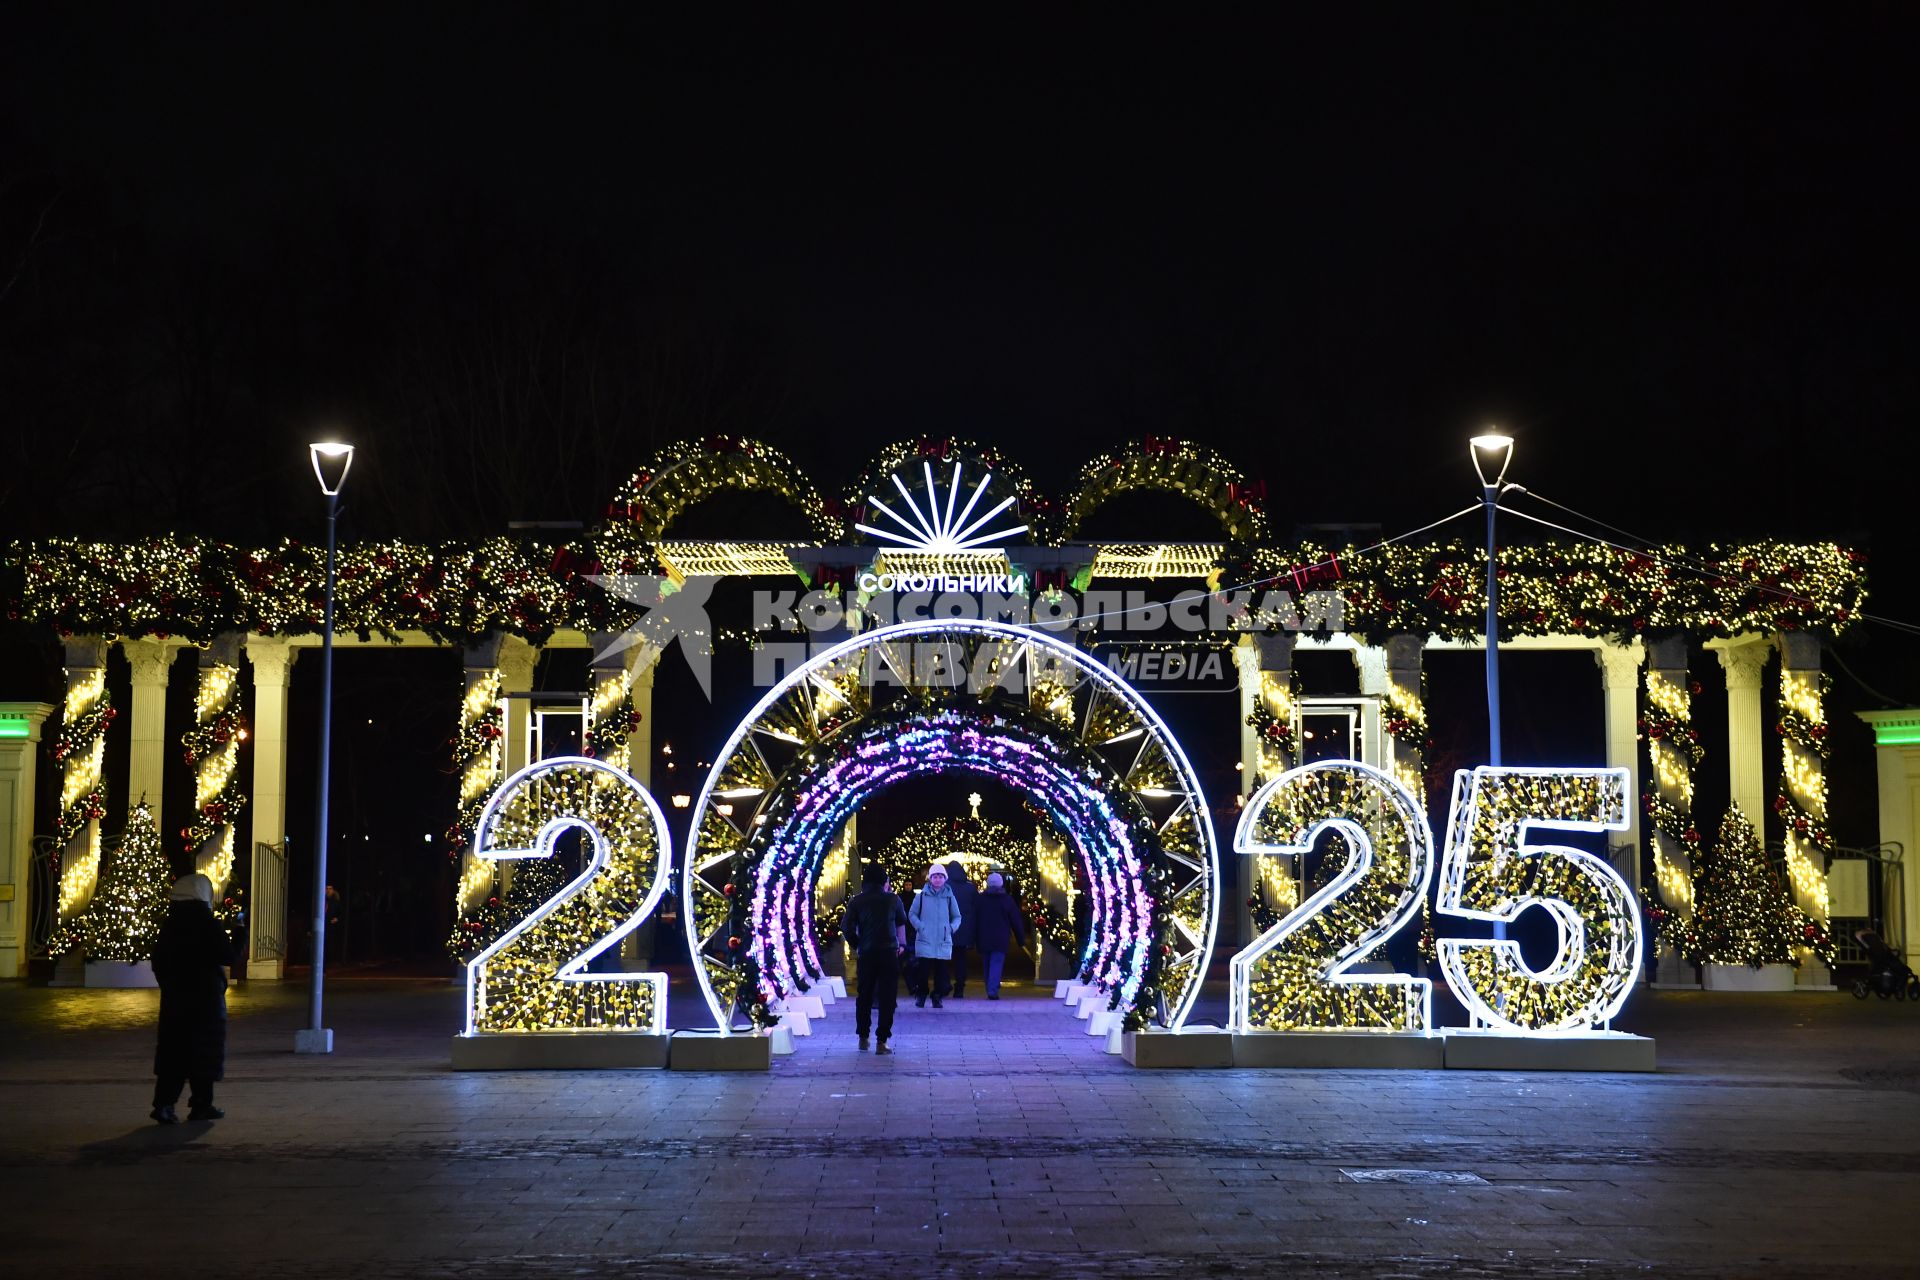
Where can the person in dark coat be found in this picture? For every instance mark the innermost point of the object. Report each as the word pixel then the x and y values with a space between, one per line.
pixel 190 959
pixel 999 923
pixel 963 894
pixel 876 924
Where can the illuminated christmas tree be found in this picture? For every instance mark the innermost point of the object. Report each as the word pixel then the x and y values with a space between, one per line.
pixel 1743 914
pixel 535 881
pixel 127 909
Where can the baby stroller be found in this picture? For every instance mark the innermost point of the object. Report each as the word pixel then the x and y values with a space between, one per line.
pixel 1891 978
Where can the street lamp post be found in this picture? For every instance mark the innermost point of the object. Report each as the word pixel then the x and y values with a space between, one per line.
pixel 331 462
pixel 1491 454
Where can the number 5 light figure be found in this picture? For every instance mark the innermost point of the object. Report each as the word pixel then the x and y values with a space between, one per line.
pixel 1489 871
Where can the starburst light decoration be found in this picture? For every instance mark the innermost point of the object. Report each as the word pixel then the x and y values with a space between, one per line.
pixel 936 530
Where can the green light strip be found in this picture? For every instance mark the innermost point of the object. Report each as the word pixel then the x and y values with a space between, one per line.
pixel 1896 735
pixel 13 728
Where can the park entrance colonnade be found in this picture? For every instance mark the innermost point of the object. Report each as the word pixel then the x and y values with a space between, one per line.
pixel 248 615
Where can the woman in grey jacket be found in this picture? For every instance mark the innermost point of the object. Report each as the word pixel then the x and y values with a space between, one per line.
pixel 935 916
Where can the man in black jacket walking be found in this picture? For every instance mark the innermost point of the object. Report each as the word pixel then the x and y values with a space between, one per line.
pixel 876 924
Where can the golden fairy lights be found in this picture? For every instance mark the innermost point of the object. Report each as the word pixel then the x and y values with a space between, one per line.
pixel 1803 802
pixel 213 748
pixel 535 977
pixel 1489 874
pixel 124 917
pixel 1296 975
pixel 1744 915
pixel 1673 752
pixel 1273 719
pixel 81 749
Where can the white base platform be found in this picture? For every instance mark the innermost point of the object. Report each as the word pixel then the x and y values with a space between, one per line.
pixel 1338 1050
pixel 793 1022
pixel 839 986
pixel 560 1051
pixel 1596 1051
pixel 1103 1021
pixel 115 973
pixel 1744 977
pixel 1060 988
pixel 811 1006
pixel 1195 1047
pixel 711 1051
pixel 781 1039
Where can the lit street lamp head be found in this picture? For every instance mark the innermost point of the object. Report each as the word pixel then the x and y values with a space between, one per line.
pixel 1491 454
pixel 331 462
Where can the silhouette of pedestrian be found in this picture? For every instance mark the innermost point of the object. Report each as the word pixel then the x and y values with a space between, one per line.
pixel 190 959
pixel 998 923
pixel 963 894
pixel 876 924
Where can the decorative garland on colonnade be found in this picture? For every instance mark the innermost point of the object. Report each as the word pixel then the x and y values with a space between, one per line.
pixel 457 594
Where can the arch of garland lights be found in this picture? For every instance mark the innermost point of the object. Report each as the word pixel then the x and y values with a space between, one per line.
pixel 972 696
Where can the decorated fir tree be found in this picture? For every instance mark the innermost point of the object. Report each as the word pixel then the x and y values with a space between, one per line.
pixel 128 907
pixel 535 881
pixel 1742 913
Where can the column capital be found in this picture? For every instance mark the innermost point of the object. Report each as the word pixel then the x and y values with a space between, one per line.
pixel 223 650
pixel 84 652
pixel 151 660
pixel 1620 664
pixel 1668 653
pixel 1275 649
pixel 1405 652
pixel 484 654
pixel 272 658
pixel 517 660
pixel 1371 662
pixel 1743 663
pixel 1799 650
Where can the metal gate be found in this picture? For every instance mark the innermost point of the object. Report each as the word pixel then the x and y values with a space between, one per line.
pixel 267 917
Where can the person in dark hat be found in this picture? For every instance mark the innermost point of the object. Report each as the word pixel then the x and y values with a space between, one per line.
pixel 998 926
pixel 963 895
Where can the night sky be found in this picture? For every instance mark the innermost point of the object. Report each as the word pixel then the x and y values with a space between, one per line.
pixel 510 250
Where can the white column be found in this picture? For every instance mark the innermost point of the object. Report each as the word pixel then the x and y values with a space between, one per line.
pixel 1247 659
pixel 1744 659
pixel 272 658
pixel 1405 753
pixel 518 659
pixel 1897 752
pixel 1620 678
pixel 646 660
pixel 152 662
pixel 19 758
pixel 1371 663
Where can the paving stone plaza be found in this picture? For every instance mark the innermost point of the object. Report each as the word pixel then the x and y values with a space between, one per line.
pixel 1777 1138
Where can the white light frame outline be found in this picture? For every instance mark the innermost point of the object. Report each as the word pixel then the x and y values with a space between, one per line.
pixel 1080 661
pixel 1419 833
pixel 1462 816
pixel 936 531
pixel 543 848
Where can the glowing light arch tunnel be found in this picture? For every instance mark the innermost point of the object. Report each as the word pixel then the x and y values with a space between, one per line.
pixel 982 697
